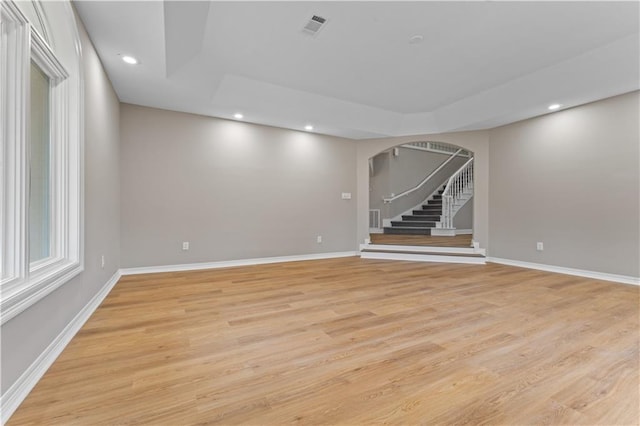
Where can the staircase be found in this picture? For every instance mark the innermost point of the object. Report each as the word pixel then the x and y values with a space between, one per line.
pixel 434 217
pixel 421 221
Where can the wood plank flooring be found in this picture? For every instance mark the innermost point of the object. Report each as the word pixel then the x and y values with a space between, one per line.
pixel 421 240
pixel 350 341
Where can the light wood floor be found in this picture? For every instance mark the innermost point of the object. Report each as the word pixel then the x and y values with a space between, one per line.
pixel 350 341
pixel 422 240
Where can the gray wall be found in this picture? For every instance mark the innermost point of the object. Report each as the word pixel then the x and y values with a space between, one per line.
pixel 411 166
pixel 26 336
pixel 380 183
pixel 475 141
pixel 410 201
pixel 233 190
pixel 570 180
pixel 397 174
pixel 464 217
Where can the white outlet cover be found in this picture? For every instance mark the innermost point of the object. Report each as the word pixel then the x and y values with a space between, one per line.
pixel 346 195
pixel 185 245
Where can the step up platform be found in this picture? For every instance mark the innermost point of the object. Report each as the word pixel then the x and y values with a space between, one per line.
pixel 423 253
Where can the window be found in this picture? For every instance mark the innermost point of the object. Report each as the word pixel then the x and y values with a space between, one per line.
pixel 39 167
pixel 40 155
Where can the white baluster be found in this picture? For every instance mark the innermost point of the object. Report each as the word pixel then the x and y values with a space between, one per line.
pixel 454 190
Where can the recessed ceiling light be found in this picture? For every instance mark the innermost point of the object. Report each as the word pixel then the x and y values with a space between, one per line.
pixel 308 127
pixel 416 39
pixel 553 107
pixel 130 60
pixel 238 116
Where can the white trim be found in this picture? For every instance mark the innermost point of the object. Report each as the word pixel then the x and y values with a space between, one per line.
pixel 44 57
pixel 42 19
pixel 422 257
pixel 443 232
pixel 13 153
pixel 464 231
pixel 434 150
pixel 624 279
pixel 23 283
pixel 459 186
pixel 422 249
pixel 23 297
pixel 233 263
pixel 19 390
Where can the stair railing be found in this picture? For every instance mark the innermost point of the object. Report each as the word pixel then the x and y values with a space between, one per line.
pixel 457 184
pixel 424 181
pixel 440 148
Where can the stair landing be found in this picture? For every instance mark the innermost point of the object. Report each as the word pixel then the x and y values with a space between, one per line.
pixel 421 240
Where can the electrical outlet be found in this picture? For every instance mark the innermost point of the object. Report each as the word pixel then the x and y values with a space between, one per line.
pixel 319 239
pixel 346 195
pixel 185 245
pixel 102 261
pixel 539 246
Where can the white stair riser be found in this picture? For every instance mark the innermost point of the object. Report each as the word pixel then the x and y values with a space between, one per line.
pixel 425 249
pixel 443 232
pixel 423 258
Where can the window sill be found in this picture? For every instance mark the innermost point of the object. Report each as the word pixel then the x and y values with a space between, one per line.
pixel 28 293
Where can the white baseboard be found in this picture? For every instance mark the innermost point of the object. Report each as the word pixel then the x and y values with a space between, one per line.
pixel 232 263
pixel 14 396
pixel 464 231
pixel 624 279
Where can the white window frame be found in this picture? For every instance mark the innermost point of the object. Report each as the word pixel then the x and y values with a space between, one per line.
pixel 23 283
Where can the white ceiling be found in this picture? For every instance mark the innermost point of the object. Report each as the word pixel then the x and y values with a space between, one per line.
pixel 480 65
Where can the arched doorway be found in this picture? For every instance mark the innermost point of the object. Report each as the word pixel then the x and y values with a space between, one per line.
pixel 420 194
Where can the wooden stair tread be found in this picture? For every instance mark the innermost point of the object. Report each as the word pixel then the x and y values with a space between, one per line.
pixel 421 240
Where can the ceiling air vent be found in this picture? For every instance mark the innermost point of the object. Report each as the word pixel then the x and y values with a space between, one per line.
pixel 314 25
